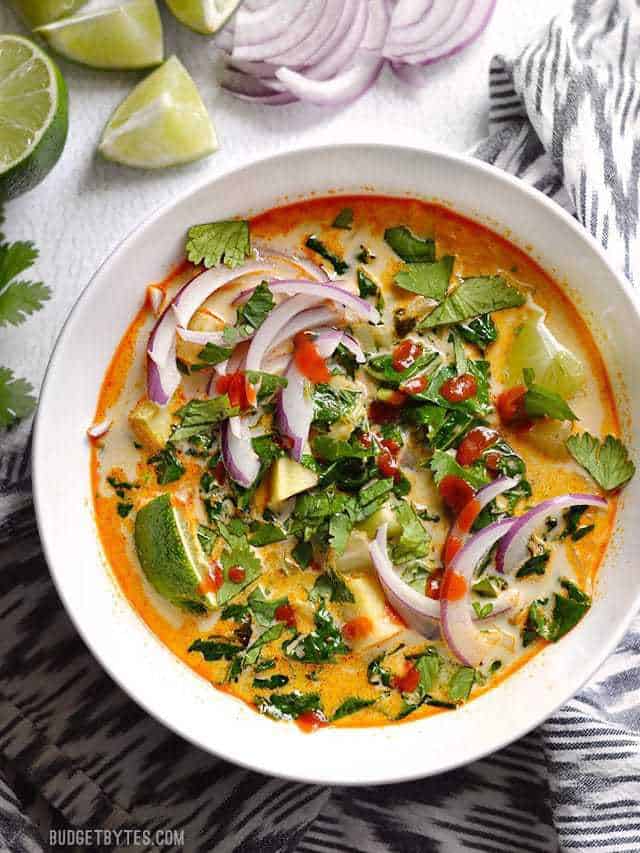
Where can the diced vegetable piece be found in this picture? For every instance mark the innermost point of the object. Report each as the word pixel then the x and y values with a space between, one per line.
pixel 385 515
pixel 356 558
pixel 289 478
pixel 150 424
pixel 556 368
pixel 371 603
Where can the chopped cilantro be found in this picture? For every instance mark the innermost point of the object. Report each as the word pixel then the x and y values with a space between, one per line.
pixel 271 683
pixel 539 402
pixel 251 315
pixel 288 706
pixel 366 285
pixel 167 466
pixel 263 608
pixel 461 683
pixel 319 646
pixel 480 331
pixel 216 648
pixel 443 464
pixel 332 404
pixel 212 354
pixel 198 416
pixel 265 533
pixel 351 706
pixel 124 509
pixel 339 265
pixel 410 248
pixel 344 219
pixel 534 565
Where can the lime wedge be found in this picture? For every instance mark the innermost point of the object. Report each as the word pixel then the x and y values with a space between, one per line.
pixel 161 123
pixel 169 557
pixel 203 16
pixel 33 115
pixel 124 37
pixel 38 12
pixel 556 367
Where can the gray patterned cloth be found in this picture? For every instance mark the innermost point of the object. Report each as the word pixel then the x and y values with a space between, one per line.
pixel 76 752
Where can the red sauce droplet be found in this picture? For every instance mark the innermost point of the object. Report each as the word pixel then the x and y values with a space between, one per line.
pixel 492 461
pixel 404 355
pixel 285 613
pixel 237 574
pixel 511 405
pixel 387 465
pixel 365 439
pixel 451 548
pixel 454 586
pixel 392 445
pixel 383 413
pixel 240 391
pixel 434 582
pixel 414 386
pixel 213 580
pixel 468 515
pixel 308 360
pixel 357 629
pixel 310 721
pixel 220 473
pixel 474 444
pixel 408 682
pixel 455 492
pixel 459 388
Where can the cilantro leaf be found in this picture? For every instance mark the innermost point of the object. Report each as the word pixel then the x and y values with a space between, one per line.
pixel 382 369
pixel 608 461
pixel 198 416
pixel 16 399
pixel 213 354
pixel 475 296
pixel 412 249
pixel 540 402
pixel 250 657
pixel 271 683
pixel 319 646
pixel 316 245
pixel 414 541
pixel 237 554
pixel 461 683
pixel 331 404
pixel 340 526
pixel 219 242
pixel 344 219
pixel 366 285
pixel 250 316
pixel 266 533
pixel 20 299
pixel 263 608
pixel 331 449
pixel 427 279
pixel 288 706
pixel 443 465
pixel 480 331
pixel 331 587
pixel 351 706
pixel 167 465
pixel 216 648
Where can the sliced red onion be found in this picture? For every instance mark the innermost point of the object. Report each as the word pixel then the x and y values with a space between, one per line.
pixel 421 613
pixel 323 291
pixel 239 457
pixel 275 321
pixel 343 23
pixel 305 321
pixel 266 24
pixel 285 49
pixel 463 638
pixel 334 61
pixel 276 364
pixel 407 13
pixel 341 89
pixel 513 550
pixel 294 410
pixel 192 336
pixel 163 377
pixel 302 53
pixel 482 499
pixel 98 430
pixel 350 343
pixel 314 272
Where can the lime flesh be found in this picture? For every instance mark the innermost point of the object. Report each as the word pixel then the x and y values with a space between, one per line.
pixel 161 123
pixel 35 13
pixel 203 16
pixel 33 115
pixel 122 37
pixel 168 558
pixel 555 367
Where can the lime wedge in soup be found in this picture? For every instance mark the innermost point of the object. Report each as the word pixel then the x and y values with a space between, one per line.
pixel 556 367
pixel 203 16
pixel 33 115
pixel 120 37
pixel 161 123
pixel 35 13
pixel 169 556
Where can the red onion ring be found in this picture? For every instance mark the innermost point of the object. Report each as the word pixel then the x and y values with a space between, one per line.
pixel 294 409
pixel 240 460
pixel 314 272
pixel 463 638
pixel 322 292
pixel 513 551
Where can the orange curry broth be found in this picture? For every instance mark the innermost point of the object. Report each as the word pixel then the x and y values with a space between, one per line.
pixel 478 251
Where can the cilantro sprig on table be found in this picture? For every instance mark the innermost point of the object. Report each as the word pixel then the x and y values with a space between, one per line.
pixel 19 299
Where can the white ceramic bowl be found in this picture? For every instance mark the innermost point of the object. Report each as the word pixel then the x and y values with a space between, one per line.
pixel 117 636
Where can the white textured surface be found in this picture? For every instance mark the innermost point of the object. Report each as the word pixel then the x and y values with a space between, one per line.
pixel 86 205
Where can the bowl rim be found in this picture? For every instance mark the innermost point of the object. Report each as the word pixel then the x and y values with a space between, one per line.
pixel 223 751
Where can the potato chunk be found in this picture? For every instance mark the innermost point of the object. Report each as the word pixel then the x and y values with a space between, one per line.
pixel 289 478
pixel 370 602
pixel 150 424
